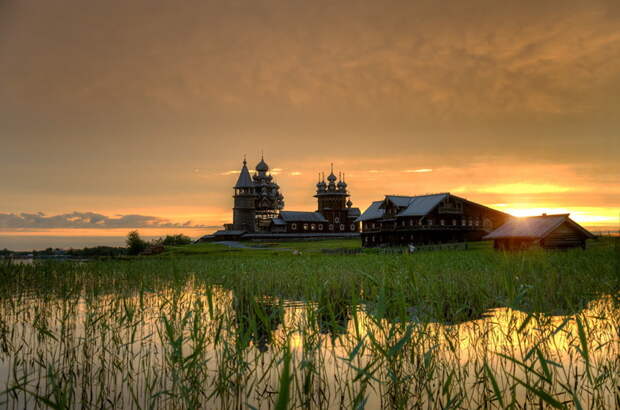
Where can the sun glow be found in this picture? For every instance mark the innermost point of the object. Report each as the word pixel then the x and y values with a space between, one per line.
pixel 526 188
pixel 593 216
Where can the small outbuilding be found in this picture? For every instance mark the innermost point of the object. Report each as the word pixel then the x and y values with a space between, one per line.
pixel 546 231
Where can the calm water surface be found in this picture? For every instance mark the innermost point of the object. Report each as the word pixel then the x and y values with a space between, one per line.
pixel 207 347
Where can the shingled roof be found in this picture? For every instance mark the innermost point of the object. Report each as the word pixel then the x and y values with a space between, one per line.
pixel 418 205
pixel 296 216
pixel 373 212
pixel 421 205
pixel 244 180
pixel 353 212
pixel 534 227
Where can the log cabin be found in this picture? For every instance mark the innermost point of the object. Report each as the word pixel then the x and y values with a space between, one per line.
pixel 545 231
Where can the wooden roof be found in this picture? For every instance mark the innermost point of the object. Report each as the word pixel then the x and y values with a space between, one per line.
pixel 534 227
pixel 417 205
pixel 296 216
pixel 373 212
pixel 244 180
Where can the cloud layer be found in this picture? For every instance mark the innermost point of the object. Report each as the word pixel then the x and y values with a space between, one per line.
pixel 88 220
pixel 147 107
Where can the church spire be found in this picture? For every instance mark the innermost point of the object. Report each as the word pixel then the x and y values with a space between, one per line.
pixel 244 180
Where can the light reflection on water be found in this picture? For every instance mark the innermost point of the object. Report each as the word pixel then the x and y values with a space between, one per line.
pixel 209 347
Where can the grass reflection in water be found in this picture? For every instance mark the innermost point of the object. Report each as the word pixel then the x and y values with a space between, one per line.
pixel 439 330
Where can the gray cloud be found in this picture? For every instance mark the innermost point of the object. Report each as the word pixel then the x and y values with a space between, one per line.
pixel 91 220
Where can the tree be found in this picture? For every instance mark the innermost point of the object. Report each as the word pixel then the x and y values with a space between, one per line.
pixel 179 239
pixel 135 244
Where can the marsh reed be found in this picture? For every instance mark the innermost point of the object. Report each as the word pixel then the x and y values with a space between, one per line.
pixel 439 330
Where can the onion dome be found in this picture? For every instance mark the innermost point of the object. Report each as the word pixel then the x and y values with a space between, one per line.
pixel 332 179
pixel 320 186
pixel 262 166
pixel 349 204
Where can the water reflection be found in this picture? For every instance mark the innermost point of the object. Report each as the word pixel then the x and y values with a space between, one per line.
pixel 334 317
pixel 210 347
pixel 256 319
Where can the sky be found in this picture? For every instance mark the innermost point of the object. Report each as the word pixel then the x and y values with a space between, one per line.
pixel 135 114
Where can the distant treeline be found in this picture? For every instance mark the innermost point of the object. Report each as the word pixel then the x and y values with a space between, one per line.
pixel 94 252
pixel 135 246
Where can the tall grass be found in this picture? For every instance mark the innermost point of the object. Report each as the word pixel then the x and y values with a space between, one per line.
pixel 474 329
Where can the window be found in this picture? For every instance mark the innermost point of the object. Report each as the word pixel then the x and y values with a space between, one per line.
pixel 464 222
pixel 454 222
pixel 420 221
pixel 374 225
pixel 305 227
pixel 477 222
pixel 470 222
pixel 430 221
pixel 313 227
pixel 293 226
pixel 442 222
pixel 411 222
pixel 403 223
pixel 337 220
pixel 342 227
pixel 320 227
pixel 353 227
pixel 331 227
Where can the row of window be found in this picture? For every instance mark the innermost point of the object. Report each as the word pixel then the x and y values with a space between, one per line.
pixel 314 227
pixel 442 222
pixel 372 238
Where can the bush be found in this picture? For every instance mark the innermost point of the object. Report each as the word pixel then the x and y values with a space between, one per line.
pixel 135 244
pixel 173 240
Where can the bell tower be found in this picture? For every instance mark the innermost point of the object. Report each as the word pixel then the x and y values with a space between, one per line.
pixel 244 209
pixel 332 198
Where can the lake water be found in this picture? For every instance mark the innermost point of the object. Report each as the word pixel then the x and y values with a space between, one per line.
pixel 208 347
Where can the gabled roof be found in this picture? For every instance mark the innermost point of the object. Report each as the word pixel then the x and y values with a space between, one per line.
pixel 296 216
pixel 418 205
pixel 244 180
pixel 422 204
pixel 374 211
pixel 353 212
pixel 399 200
pixel 224 232
pixel 534 227
pixel 278 221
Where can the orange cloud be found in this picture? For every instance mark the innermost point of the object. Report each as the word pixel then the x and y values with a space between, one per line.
pixel 520 188
pixel 421 170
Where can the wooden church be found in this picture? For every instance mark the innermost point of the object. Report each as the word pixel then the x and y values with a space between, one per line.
pixel 258 210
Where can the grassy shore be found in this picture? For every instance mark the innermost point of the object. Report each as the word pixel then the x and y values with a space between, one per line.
pixel 440 285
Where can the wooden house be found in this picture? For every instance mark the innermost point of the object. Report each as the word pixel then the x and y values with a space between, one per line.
pixel 427 219
pixel 546 231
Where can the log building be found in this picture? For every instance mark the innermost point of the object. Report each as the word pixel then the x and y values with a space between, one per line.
pixel 546 231
pixel 427 219
pixel 258 209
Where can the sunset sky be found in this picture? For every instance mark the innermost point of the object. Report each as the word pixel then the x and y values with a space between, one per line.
pixel 136 113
